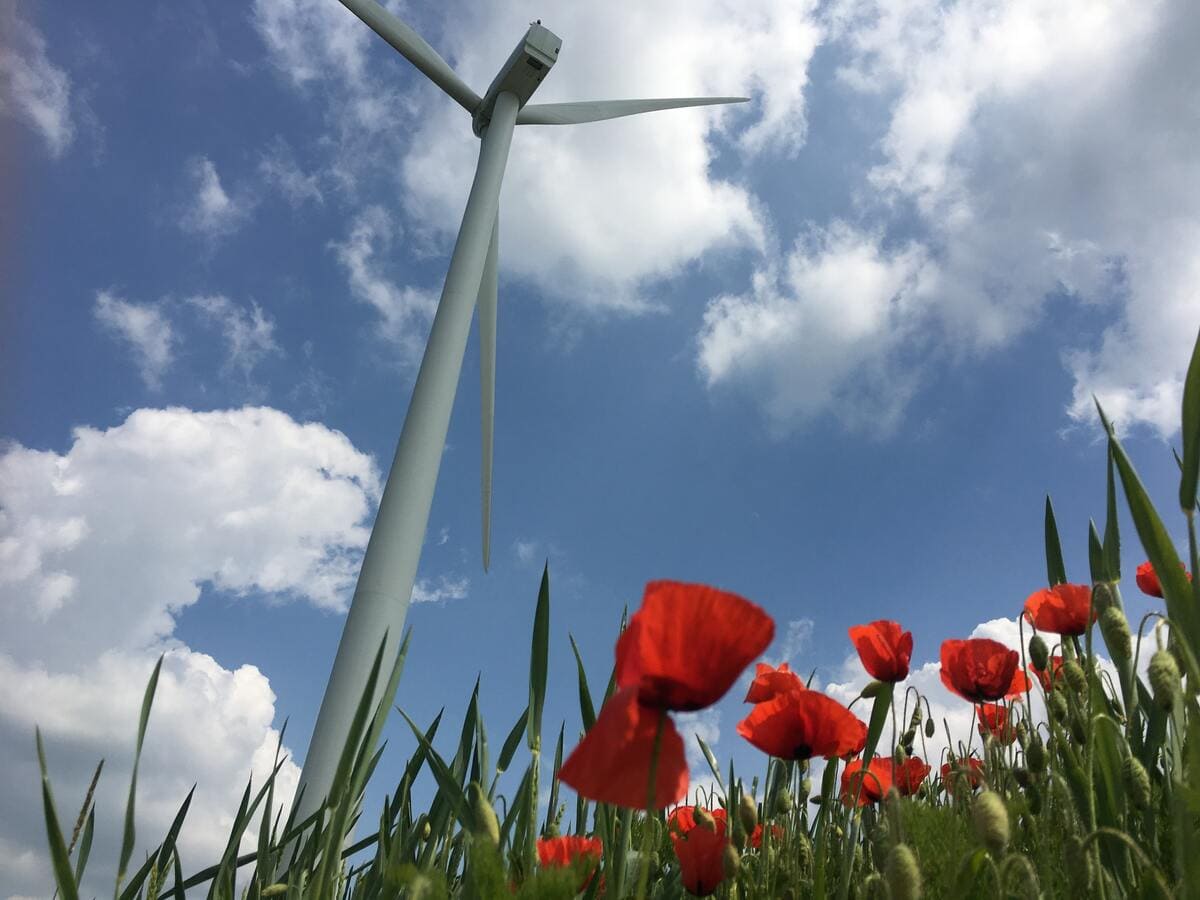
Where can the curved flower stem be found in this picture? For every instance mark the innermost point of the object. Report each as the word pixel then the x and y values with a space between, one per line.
pixel 644 862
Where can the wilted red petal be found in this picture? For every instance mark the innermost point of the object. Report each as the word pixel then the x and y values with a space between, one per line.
pixel 875 783
pixel 909 775
pixel 701 856
pixel 994 719
pixel 980 669
pixel 688 644
pixel 1062 609
pixel 800 726
pixel 612 762
pixel 885 650
pixel 769 683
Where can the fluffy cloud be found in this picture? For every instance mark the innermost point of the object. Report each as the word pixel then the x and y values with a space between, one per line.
pixel 594 213
pixel 1030 151
pixel 31 87
pixel 212 213
pixel 249 333
pixel 144 328
pixel 100 547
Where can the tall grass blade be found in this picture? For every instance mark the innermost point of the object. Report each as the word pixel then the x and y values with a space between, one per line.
pixel 1056 572
pixel 1191 433
pixel 586 709
pixel 509 748
pixel 85 845
pixel 552 808
pixel 448 784
pixel 63 876
pixel 127 839
pixel 539 660
pixel 1112 533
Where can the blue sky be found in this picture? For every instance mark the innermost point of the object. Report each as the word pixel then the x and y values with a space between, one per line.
pixel 828 349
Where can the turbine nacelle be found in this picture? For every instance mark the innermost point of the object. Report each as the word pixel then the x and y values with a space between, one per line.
pixel 521 74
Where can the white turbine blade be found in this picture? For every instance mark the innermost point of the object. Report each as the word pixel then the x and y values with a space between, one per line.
pixel 598 110
pixel 413 47
pixel 488 289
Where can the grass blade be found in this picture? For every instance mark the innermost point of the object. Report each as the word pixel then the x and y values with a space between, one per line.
pixel 1056 572
pixel 63 876
pixel 586 709
pixel 1112 534
pixel 539 658
pixel 1191 433
pixel 129 835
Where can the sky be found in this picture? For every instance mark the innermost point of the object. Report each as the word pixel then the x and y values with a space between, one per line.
pixel 829 349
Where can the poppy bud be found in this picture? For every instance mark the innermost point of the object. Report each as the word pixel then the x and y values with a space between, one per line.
pixel 273 890
pixel 1115 628
pixel 1022 732
pixel 1137 782
pixel 1035 755
pixel 748 811
pixel 1073 672
pixel 1057 704
pixel 903 873
pixel 486 826
pixel 803 851
pixel 990 818
pixel 908 737
pixel 1021 775
pixel 1164 678
pixel 805 789
pixel 873 689
pixel 1033 794
pixel 705 818
pixel 1078 729
pixel 900 755
pixel 1105 596
pixel 732 860
pixel 784 801
pixel 1039 653
pixel 1080 865
pixel 423 828
pixel 802 766
pixel 1026 874
pixel 917 717
pixel 930 728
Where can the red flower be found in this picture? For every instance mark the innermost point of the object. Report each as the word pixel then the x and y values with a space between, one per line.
pixel 800 726
pixel 563 851
pixel 700 850
pixel 682 650
pixel 875 783
pixel 1147 579
pixel 757 833
pixel 884 649
pixel 1047 678
pixel 769 683
pixel 1062 609
pixel 971 769
pixel 909 775
pixel 994 720
pixel 981 669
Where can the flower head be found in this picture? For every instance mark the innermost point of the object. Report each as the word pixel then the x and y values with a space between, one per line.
pixel 885 650
pixel 1044 677
pixel 800 726
pixel 980 669
pixel 868 787
pixel 559 852
pixel 757 833
pixel 1062 609
pixel 970 768
pixel 769 683
pixel 1147 579
pixel 994 719
pixel 909 775
pixel 700 850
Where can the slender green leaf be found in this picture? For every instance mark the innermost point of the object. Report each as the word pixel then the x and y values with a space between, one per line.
pixel 61 863
pixel 552 809
pixel 129 836
pixel 449 786
pixel 85 844
pixel 1056 572
pixel 1096 563
pixel 1191 433
pixel 509 747
pixel 1112 533
pixel 539 660
pixel 586 710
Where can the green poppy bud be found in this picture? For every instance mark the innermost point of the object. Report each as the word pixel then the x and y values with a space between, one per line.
pixel 1137 782
pixel 732 860
pixel 903 874
pixel 1039 653
pixel 1035 755
pixel 1105 597
pixel 872 690
pixel 1022 776
pixel 908 737
pixel 917 716
pixel 930 728
pixel 1164 678
pixel 274 890
pixel 1033 794
pixel 486 825
pixel 783 800
pixel 704 817
pixel 805 789
pixel 990 818
pixel 1078 729
pixel 1080 866
pixel 803 851
pixel 1115 628
pixel 1057 704
pixel 748 812
pixel 1073 672
pixel 422 827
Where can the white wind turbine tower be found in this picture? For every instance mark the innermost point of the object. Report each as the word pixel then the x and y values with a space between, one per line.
pixel 389 566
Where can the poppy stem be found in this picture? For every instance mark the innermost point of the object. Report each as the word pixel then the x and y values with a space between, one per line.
pixel 644 862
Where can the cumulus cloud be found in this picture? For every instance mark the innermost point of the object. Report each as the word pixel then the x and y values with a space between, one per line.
pixel 31 87
pixel 211 212
pixel 439 591
pixel 144 328
pixel 249 333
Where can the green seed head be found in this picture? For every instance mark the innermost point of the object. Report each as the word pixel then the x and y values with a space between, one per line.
pixel 903 873
pixel 990 818
pixel 487 828
pixel 1039 653
pixel 1137 782
pixel 1164 678
pixel 1115 628
pixel 930 728
pixel 1073 672
pixel 748 811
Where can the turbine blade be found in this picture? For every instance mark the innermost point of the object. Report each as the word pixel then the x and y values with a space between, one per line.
pixel 598 110
pixel 487 381
pixel 413 47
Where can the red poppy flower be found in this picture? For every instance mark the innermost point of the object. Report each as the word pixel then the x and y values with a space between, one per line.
pixel 1062 609
pixel 559 852
pixel 682 651
pixel 1020 684
pixel 971 769
pixel 980 669
pixel 1147 579
pixel 994 719
pixel 884 649
pixel 700 850
pixel 800 726
pixel 757 833
pixel 769 683
pixel 909 775
pixel 1047 678
pixel 874 783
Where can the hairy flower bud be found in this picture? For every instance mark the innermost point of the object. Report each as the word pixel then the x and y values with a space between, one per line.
pixel 748 811
pixel 732 860
pixel 1073 672
pixel 1137 782
pixel 903 873
pixel 916 719
pixel 1080 866
pixel 873 689
pixel 804 852
pixel 704 818
pixel 486 825
pixel 1039 653
pixel 1021 776
pixel 1057 705
pixel 1105 597
pixel 1115 628
pixel 990 818
pixel 1164 678
pixel 1035 755
pixel 783 800
pixel 930 728
pixel 805 789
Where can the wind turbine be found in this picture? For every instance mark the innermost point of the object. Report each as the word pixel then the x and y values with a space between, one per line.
pixel 389 565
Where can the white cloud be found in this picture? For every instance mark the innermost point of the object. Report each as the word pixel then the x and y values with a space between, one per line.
pixel 31 87
pixel 212 213
pixel 309 38
pixel 705 724
pixel 445 588
pixel 278 167
pixel 406 312
pixel 249 332
pixel 145 328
